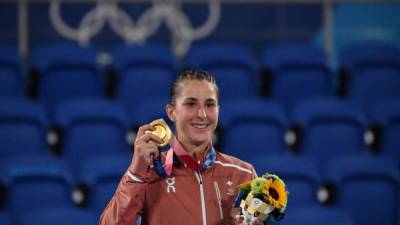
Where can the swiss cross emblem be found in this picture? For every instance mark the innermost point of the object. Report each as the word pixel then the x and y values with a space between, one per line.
pixel 230 191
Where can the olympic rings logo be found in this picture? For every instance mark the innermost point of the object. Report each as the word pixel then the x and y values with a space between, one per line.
pixel 107 11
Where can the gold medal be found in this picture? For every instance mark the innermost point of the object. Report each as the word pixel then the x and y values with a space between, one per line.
pixel 162 131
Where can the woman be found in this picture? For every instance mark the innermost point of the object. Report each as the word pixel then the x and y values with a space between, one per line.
pixel 197 185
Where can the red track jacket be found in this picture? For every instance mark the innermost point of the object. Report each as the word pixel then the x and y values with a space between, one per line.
pixel 186 197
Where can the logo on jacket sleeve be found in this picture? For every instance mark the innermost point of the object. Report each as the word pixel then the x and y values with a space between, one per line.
pixel 170 184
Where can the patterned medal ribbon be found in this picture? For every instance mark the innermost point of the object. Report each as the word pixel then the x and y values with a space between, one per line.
pixel 166 169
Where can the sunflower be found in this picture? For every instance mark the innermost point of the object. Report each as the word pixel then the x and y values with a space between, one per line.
pixel 276 193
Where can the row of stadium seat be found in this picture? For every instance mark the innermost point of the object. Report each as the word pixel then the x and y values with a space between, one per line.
pixel 288 72
pixel 40 182
pixel 352 183
pixel 54 215
pixel 321 128
pixel 301 216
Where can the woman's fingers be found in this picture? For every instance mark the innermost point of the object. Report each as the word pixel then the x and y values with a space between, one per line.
pixel 257 222
pixel 149 152
pixel 146 137
pixel 146 143
pixel 142 129
pixel 238 220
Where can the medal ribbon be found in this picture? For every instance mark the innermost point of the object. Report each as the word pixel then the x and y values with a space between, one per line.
pixel 166 169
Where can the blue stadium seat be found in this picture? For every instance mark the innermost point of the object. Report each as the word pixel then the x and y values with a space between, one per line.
pixel 149 111
pixel 253 127
pixel 66 71
pixel 147 56
pixel 233 66
pixel 300 174
pixel 372 71
pixel 12 83
pixel 60 216
pixel 386 115
pixel 364 53
pixel 297 72
pixel 102 175
pixel 144 73
pixel 329 127
pixel 91 127
pixel 23 129
pixel 4 218
pixel 37 185
pixel 317 215
pixel 367 187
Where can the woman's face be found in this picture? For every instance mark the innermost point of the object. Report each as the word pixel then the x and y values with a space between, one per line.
pixel 195 112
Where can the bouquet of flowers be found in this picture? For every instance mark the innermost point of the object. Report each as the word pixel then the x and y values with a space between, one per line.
pixel 261 197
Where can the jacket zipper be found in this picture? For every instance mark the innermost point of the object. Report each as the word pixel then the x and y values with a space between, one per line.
pixel 219 199
pixel 203 204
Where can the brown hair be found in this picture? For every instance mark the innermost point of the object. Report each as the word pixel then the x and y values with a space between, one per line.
pixel 190 75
